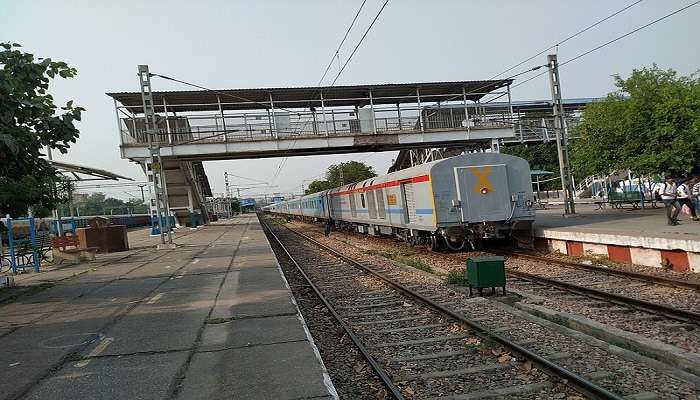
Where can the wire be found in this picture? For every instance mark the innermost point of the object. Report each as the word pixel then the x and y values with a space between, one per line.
pixel 585 53
pixel 360 42
pixel 569 38
pixel 284 161
pixel 337 52
pixel 243 177
pixel 630 33
pixel 215 91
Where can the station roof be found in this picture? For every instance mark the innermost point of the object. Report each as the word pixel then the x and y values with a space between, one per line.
pixel 93 174
pixel 305 97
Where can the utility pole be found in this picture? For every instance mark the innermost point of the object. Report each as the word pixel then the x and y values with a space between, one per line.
pixel 155 161
pixel 559 129
pixel 228 193
pixel 240 207
pixel 143 198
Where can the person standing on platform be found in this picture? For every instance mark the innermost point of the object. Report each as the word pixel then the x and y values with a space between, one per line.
pixel 695 193
pixel 684 197
pixel 669 195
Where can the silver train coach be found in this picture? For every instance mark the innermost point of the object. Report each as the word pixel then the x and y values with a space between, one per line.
pixel 448 203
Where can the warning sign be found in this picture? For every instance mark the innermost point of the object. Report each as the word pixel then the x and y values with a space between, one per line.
pixel 391 199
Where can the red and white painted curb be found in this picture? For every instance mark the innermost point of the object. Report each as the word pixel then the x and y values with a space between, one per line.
pixel 681 254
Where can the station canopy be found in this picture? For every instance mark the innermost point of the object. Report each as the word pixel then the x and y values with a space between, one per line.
pixel 82 173
pixel 307 97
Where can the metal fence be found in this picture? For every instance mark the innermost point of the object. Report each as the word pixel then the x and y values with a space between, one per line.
pixel 176 127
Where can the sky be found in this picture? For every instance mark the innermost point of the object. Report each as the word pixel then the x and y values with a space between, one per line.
pixel 248 44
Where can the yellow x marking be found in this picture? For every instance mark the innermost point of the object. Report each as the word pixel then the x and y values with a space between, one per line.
pixel 482 176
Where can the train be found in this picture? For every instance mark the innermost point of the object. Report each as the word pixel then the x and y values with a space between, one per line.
pixel 448 204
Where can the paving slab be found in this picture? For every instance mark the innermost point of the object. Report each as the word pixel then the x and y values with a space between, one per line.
pixel 169 319
pixel 636 226
pixel 138 377
pixel 253 293
pixel 136 320
pixel 252 332
pixel 275 372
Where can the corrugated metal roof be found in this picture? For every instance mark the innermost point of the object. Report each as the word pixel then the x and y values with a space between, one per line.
pixel 305 97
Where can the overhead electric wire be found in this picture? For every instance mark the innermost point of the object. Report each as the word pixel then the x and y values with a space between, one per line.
pixel 214 90
pixel 630 33
pixel 250 179
pixel 360 42
pixel 589 27
pixel 594 49
pixel 284 161
pixel 337 52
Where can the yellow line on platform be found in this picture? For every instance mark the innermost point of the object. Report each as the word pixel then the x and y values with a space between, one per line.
pixel 155 298
pixel 95 352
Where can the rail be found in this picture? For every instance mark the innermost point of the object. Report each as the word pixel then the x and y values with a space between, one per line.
pixel 579 383
pixel 611 271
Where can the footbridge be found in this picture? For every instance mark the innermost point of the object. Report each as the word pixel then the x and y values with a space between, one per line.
pixel 194 126
pixel 532 122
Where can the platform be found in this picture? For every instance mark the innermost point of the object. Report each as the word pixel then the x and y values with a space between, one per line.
pixel 211 319
pixel 639 236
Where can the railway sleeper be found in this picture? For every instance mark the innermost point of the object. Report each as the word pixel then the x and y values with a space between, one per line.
pixel 498 393
pixel 421 341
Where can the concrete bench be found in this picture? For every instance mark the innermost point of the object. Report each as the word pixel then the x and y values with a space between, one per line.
pixel 67 248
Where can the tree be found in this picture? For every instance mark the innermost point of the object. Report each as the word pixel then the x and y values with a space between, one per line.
pixel 318 186
pixel 30 121
pixel 650 125
pixel 342 174
pixel 541 156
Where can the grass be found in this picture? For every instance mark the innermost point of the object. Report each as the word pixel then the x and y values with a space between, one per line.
pixel 402 259
pixel 413 262
pixel 456 278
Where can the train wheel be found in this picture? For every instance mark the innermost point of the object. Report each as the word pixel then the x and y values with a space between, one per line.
pixel 455 245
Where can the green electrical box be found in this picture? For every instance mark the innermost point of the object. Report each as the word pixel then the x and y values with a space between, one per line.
pixel 485 272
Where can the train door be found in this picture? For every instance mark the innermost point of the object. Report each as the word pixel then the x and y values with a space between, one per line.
pixel 381 208
pixel 353 204
pixel 371 204
pixel 409 202
pixel 483 193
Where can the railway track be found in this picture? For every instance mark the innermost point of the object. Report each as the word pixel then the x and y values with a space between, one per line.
pixel 592 360
pixel 419 345
pixel 637 276
pixel 667 311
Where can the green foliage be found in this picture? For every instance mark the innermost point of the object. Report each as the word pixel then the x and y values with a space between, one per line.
pixel 456 278
pixel 99 204
pixel 318 186
pixel 650 125
pixel 402 258
pixel 30 121
pixel 542 156
pixel 342 174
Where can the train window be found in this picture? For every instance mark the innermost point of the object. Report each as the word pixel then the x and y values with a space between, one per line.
pixel 362 200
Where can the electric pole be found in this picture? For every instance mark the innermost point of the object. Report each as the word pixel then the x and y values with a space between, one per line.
pixel 154 163
pixel 228 193
pixel 143 198
pixel 240 208
pixel 560 130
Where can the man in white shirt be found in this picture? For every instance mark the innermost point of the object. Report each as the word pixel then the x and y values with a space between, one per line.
pixel 695 193
pixel 684 198
pixel 669 195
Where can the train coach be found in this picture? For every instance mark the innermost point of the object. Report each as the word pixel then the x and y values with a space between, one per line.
pixel 448 203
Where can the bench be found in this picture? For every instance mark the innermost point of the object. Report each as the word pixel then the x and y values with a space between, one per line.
pixel 619 199
pixel 68 248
